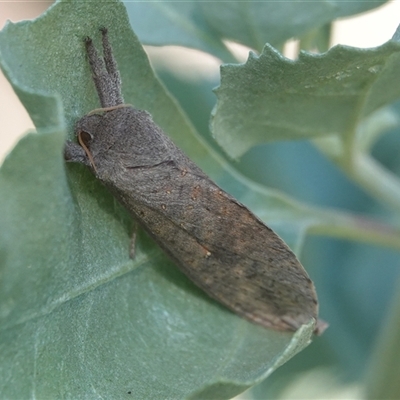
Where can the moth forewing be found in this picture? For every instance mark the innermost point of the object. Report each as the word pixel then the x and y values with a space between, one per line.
pixel 216 241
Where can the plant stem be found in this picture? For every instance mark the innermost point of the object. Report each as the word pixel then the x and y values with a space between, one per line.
pixel 360 229
pixel 382 380
pixel 376 180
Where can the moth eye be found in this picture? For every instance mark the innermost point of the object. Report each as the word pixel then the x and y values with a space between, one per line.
pixel 84 137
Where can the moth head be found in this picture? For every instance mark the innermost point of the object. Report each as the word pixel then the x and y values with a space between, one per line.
pixel 95 137
pixel 87 128
pixel 88 142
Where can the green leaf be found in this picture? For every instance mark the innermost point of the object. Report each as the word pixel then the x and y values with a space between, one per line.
pixel 255 23
pixel 347 8
pixel 168 23
pixel 79 319
pixel 204 25
pixel 273 98
pixel 317 39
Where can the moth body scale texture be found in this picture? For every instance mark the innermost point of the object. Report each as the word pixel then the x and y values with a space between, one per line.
pixel 216 241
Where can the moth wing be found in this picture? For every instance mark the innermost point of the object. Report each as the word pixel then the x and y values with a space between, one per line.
pixel 230 254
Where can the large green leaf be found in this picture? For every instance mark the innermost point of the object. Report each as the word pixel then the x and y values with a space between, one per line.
pixel 79 319
pixel 204 25
pixel 273 98
pixel 347 8
pixel 168 23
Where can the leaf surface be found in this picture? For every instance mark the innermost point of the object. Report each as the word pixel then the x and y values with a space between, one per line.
pixel 204 25
pixel 272 98
pixel 80 319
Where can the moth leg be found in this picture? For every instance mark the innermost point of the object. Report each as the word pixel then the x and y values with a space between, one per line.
pixel 112 67
pixel 132 247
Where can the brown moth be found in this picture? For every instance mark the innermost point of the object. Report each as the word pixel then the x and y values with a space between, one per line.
pixel 216 241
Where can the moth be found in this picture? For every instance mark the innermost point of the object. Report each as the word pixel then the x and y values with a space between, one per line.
pixel 215 240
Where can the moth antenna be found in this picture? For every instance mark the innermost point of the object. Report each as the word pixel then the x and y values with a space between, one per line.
pixel 104 72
